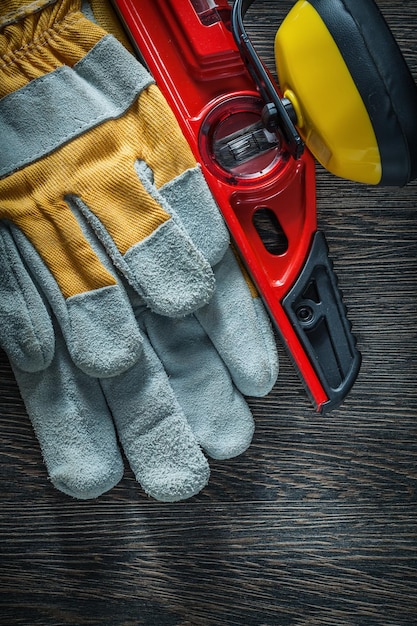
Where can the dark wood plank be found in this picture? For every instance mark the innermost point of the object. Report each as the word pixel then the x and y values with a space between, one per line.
pixel 314 525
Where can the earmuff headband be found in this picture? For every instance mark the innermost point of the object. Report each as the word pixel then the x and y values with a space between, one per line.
pixel 275 113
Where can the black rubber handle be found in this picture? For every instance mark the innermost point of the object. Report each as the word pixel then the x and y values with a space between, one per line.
pixel 316 310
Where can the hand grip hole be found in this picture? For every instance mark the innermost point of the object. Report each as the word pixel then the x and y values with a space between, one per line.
pixel 270 231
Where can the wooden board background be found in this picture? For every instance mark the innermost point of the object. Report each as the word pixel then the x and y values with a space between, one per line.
pixel 316 524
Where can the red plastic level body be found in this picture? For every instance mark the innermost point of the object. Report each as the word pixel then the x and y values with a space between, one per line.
pixel 191 53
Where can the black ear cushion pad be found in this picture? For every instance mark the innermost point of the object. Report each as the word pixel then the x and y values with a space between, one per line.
pixel 383 79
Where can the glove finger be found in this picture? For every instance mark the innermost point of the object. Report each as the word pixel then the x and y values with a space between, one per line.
pixel 99 326
pixel 73 425
pixel 239 328
pixel 191 200
pixel 27 339
pixel 69 411
pixel 217 413
pixel 156 437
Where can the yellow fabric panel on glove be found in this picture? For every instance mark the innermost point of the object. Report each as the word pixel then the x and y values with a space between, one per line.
pixel 98 167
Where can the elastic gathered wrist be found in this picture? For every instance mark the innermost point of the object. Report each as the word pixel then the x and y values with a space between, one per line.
pixel 39 42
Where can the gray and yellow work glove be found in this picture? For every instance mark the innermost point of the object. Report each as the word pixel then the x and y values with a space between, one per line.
pixel 110 249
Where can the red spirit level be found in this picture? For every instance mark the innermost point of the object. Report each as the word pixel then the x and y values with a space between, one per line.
pixel 263 179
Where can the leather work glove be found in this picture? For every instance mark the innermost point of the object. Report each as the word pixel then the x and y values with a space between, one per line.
pixel 78 137
pixel 110 250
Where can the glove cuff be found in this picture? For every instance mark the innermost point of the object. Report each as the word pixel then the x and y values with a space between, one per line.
pixel 35 41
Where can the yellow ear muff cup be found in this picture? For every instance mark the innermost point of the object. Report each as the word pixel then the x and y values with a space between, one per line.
pixel 356 96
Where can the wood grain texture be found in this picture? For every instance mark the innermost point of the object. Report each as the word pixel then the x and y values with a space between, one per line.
pixel 315 525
